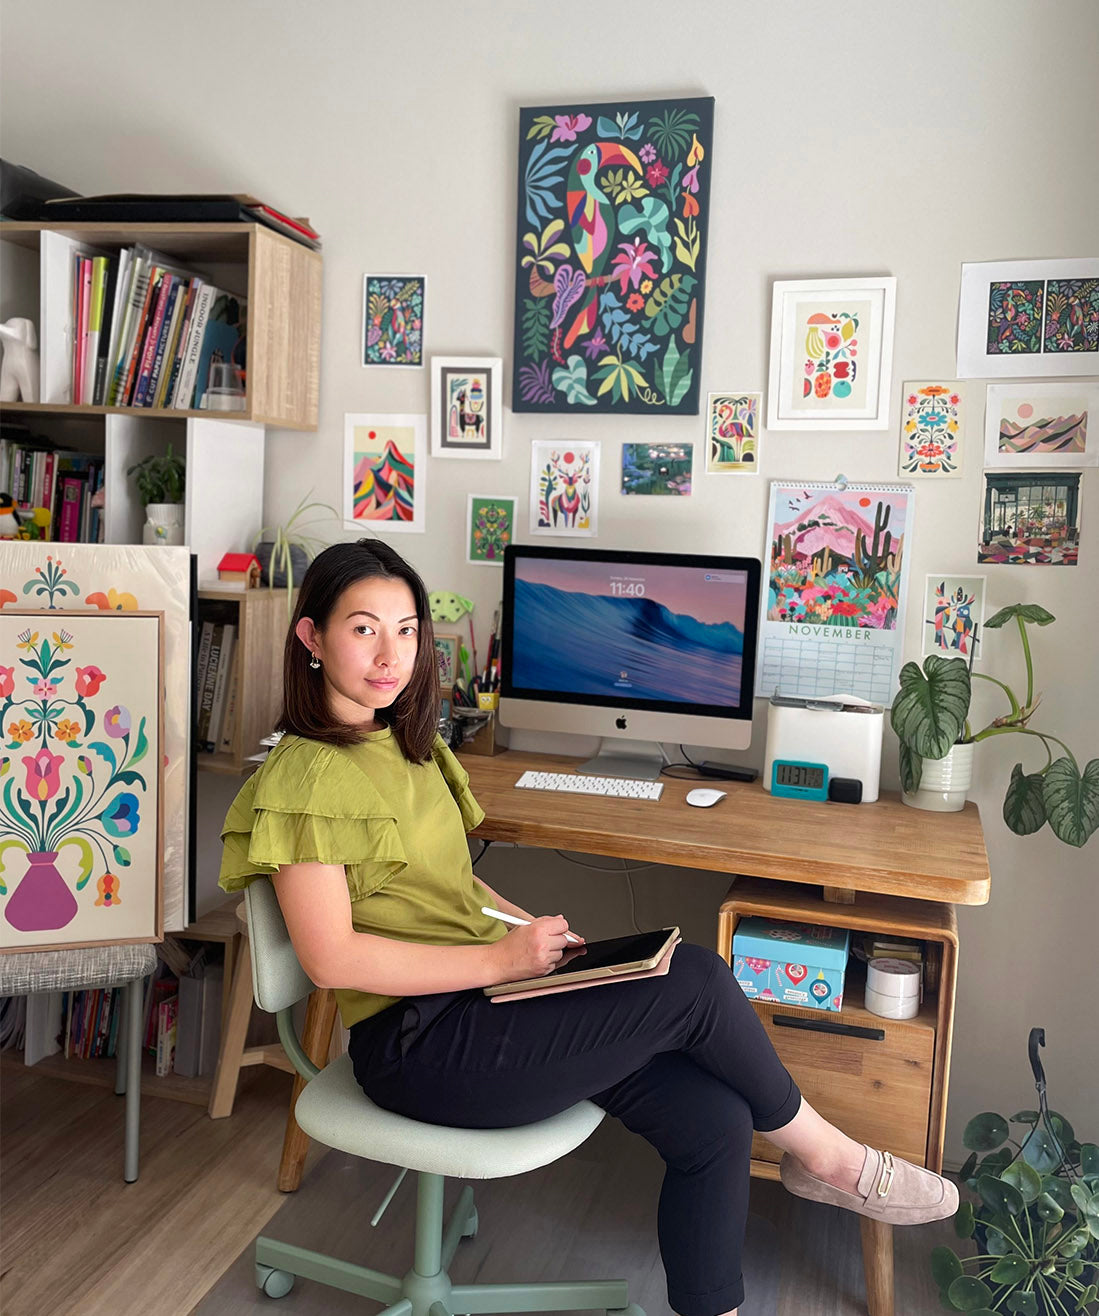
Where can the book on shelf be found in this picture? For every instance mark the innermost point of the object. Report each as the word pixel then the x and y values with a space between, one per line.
pixel 220 340
pixel 166 1033
pixel 229 727
pixel 106 328
pixel 99 266
pixel 209 680
pixel 221 682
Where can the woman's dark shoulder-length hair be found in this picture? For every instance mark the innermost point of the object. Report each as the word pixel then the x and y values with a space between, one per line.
pixel 414 715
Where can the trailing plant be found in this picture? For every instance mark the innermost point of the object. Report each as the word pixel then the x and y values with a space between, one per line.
pixel 290 535
pixel 159 477
pixel 931 714
pixel 1037 1221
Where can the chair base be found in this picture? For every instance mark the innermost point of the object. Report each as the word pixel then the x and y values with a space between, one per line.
pixel 426 1289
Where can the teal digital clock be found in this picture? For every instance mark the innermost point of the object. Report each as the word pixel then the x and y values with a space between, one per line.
pixel 798 780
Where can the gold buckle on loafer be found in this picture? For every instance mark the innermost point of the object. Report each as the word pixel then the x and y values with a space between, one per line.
pixel 885 1180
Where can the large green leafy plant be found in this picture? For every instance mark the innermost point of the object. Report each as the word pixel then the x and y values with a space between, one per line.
pixel 931 714
pixel 1036 1223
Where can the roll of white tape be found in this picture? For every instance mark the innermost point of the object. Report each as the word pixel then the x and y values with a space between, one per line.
pixel 892 1007
pixel 895 978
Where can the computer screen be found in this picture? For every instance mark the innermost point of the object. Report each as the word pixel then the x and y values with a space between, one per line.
pixel 656 646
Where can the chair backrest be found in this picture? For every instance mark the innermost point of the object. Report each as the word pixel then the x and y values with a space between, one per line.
pixel 278 980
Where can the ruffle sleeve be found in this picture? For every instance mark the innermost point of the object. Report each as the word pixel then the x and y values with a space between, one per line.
pixel 457 778
pixel 310 804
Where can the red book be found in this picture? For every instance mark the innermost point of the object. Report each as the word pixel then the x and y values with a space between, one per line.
pixel 72 490
pixel 125 393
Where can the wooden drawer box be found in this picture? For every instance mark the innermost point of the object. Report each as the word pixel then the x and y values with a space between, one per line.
pixel 876 1091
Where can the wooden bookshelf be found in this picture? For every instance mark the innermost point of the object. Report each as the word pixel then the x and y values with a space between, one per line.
pixel 262 623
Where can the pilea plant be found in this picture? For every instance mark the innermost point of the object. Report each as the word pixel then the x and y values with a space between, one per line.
pixel 931 713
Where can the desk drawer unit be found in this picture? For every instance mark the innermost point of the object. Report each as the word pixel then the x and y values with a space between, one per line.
pixel 876 1090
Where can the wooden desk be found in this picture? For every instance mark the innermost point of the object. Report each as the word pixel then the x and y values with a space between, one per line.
pixel 882 867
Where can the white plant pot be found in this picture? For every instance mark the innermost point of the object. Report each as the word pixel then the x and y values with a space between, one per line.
pixel 944 783
pixel 163 524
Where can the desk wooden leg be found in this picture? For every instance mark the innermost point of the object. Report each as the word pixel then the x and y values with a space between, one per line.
pixel 877 1264
pixel 233 1034
pixel 320 1016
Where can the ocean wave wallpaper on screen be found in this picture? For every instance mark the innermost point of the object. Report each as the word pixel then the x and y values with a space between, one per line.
pixel 629 631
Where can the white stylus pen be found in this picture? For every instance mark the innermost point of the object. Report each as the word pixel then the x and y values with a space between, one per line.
pixel 519 922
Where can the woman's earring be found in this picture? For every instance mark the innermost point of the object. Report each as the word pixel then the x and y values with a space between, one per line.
pixel 314 662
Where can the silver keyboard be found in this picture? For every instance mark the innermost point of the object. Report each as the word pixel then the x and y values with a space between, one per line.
pixel 573 783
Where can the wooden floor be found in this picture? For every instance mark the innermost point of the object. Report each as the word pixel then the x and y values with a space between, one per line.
pixel 75 1239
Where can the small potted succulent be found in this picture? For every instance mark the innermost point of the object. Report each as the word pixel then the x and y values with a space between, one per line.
pixel 160 482
pixel 1036 1223
pixel 931 718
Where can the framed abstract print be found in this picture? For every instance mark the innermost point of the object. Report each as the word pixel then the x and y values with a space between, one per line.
pixel 831 353
pixel 1032 426
pixel 467 407
pixel 81 705
pixel 393 319
pixel 933 420
pixel 610 256
pixel 384 472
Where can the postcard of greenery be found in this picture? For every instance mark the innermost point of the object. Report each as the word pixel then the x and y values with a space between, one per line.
pixel 610 256
pixel 66 785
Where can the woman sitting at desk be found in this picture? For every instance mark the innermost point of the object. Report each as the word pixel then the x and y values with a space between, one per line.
pixel 359 816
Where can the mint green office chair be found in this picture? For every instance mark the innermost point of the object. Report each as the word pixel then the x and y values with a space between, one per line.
pixel 333 1109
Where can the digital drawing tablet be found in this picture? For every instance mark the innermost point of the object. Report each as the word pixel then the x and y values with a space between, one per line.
pixel 598 959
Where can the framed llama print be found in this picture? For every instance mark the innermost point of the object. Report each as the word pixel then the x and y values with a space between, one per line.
pixel 732 432
pixel 81 698
pixel 831 354
pixel 610 256
pixel 564 488
pixel 933 416
pixel 1029 318
pixel 384 472
pixel 466 407
pixel 1042 426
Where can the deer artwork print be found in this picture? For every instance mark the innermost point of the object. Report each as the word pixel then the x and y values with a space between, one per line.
pixel 565 491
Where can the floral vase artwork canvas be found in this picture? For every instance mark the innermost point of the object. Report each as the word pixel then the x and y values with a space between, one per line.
pixel 80 778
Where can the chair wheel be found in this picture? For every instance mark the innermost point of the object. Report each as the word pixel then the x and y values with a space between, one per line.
pixel 275 1283
pixel 470 1230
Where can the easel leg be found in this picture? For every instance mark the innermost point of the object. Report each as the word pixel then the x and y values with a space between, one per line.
pixel 877 1264
pixel 233 1035
pixel 320 1016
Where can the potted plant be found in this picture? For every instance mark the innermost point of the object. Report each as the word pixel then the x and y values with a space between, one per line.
pixel 931 718
pixel 160 482
pixel 1036 1224
pixel 284 551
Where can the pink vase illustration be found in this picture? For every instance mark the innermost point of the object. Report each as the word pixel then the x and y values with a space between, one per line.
pixel 42 901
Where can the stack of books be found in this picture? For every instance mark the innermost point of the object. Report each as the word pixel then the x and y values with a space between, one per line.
pixel 216 685
pixel 37 473
pixel 145 331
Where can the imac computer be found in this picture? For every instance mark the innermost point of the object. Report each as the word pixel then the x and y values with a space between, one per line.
pixel 636 648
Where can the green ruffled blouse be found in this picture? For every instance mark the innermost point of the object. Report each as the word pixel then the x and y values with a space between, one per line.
pixel 398 828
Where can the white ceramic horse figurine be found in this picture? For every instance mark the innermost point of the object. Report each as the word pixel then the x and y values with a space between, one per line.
pixel 19 370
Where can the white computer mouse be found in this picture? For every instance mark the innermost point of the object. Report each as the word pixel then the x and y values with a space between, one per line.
pixel 704 797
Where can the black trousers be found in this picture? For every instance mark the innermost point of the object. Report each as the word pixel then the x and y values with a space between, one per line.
pixel 683 1060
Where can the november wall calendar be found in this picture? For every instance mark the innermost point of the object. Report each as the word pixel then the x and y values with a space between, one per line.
pixel 837 581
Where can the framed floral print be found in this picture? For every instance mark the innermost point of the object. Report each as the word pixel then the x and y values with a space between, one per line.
pixel 81 706
pixel 831 353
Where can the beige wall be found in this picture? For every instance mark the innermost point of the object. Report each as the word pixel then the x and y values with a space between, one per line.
pixel 849 139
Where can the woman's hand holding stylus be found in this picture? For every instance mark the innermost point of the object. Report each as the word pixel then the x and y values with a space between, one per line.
pixel 533 949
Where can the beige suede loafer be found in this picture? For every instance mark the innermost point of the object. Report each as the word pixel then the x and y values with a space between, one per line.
pixel 889 1189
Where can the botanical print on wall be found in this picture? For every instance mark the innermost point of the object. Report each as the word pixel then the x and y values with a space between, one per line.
pixel 733 432
pixel 613 220
pixel 385 465
pixel 564 488
pixel 51 577
pixel 1042 425
pixel 393 319
pixel 490 527
pixel 953 615
pixel 80 811
pixel 1031 518
pixel 657 468
pixel 932 427
pixel 1029 317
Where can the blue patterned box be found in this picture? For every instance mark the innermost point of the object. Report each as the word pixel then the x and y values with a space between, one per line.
pixel 791 963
